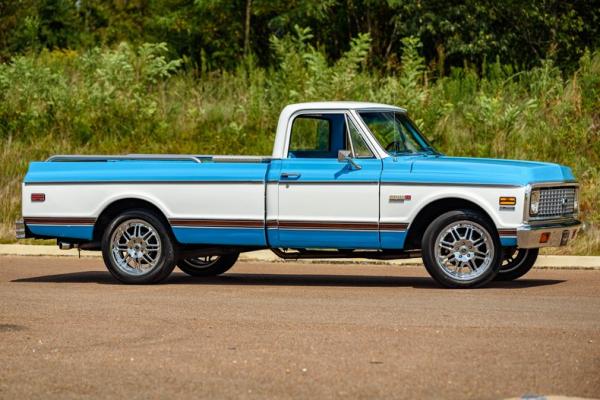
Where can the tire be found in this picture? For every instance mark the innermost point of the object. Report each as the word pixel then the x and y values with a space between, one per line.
pixel 461 249
pixel 208 266
pixel 516 263
pixel 138 248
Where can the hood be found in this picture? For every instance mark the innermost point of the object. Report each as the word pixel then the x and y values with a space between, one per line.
pixel 489 171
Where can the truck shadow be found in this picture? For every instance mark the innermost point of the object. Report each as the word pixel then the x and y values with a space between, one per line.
pixel 242 279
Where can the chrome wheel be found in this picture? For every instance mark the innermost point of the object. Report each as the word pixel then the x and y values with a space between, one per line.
pixel 135 247
pixel 464 250
pixel 202 262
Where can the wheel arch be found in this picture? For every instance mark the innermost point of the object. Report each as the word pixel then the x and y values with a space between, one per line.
pixel 428 213
pixel 116 207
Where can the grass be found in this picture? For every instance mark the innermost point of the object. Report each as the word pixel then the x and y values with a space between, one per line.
pixel 134 100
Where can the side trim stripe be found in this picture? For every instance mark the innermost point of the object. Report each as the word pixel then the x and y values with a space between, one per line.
pixel 262 182
pixel 59 221
pixel 322 182
pixel 392 226
pixel 336 225
pixel 328 225
pixel 507 232
pixel 218 223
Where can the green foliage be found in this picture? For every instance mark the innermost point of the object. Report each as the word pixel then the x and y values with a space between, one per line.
pixel 134 99
pixel 214 34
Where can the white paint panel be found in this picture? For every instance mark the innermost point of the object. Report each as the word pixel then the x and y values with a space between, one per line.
pixel 422 195
pixel 205 200
pixel 313 202
pixel 329 202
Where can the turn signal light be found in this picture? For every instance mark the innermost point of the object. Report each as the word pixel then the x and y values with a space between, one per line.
pixel 544 237
pixel 508 201
pixel 38 197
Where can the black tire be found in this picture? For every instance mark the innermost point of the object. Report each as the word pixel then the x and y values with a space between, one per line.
pixel 516 263
pixel 200 267
pixel 163 258
pixel 482 229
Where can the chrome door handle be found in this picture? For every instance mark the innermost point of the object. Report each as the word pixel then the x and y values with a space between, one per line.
pixel 290 175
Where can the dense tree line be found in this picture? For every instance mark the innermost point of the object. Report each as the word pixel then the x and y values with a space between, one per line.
pixel 214 34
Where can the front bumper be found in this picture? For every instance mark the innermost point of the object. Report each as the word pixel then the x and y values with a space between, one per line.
pixel 547 235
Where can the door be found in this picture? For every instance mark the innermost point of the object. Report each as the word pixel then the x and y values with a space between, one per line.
pixel 324 202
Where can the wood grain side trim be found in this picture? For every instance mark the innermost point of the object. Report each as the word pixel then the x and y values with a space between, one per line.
pixel 393 226
pixel 218 223
pixel 59 221
pixel 336 225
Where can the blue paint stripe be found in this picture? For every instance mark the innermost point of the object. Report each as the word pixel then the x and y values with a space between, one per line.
pixel 392 239
pixel 144 171
pixel 326 239
pixel 84 232
pixel 220 236
pixel 508 240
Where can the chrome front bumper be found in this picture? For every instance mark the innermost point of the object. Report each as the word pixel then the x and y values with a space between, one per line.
pixel 20 231
pixel 547 235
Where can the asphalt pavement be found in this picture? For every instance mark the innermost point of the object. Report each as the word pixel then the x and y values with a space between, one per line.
pixel 290 330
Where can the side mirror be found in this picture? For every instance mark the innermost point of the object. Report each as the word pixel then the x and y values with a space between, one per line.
pixel 345 156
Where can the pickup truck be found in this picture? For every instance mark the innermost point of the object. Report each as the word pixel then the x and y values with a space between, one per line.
pixel 345 180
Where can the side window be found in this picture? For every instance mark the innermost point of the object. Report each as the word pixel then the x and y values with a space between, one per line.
pixel 357 144
pixel 310 137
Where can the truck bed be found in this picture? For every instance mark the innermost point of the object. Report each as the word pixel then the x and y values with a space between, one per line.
pixel 199 195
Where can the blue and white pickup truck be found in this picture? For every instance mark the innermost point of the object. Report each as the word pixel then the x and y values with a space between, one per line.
pixel 345 179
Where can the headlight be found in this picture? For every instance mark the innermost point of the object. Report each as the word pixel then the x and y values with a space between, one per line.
pixel 534 202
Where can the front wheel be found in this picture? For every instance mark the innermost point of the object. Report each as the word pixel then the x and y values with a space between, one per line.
pixel 516 263
pixel 209 265
pixel 461 249
pixel 137 248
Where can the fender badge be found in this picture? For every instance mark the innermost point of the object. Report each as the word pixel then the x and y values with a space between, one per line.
pixel 400 198
pixel 507 208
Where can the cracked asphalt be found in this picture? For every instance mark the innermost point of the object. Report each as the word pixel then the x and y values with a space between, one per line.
pixel 288 330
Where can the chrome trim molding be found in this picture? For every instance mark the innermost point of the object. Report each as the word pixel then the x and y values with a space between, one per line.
pixel 197 158
pixel 271 181
pixel 499 185
pixel 323 182
pixel 129 157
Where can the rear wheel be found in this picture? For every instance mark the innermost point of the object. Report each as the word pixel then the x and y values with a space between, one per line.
pixel 516 263
pixel 137 248
pixel 461 249
pixel 208 265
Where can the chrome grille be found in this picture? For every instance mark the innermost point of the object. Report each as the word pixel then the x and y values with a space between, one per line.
pixel 556 202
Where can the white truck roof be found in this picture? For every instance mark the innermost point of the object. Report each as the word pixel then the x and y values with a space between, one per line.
pixel 338 105
pixel 288 112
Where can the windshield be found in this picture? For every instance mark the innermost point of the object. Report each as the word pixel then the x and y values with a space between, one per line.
pixel 396 133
